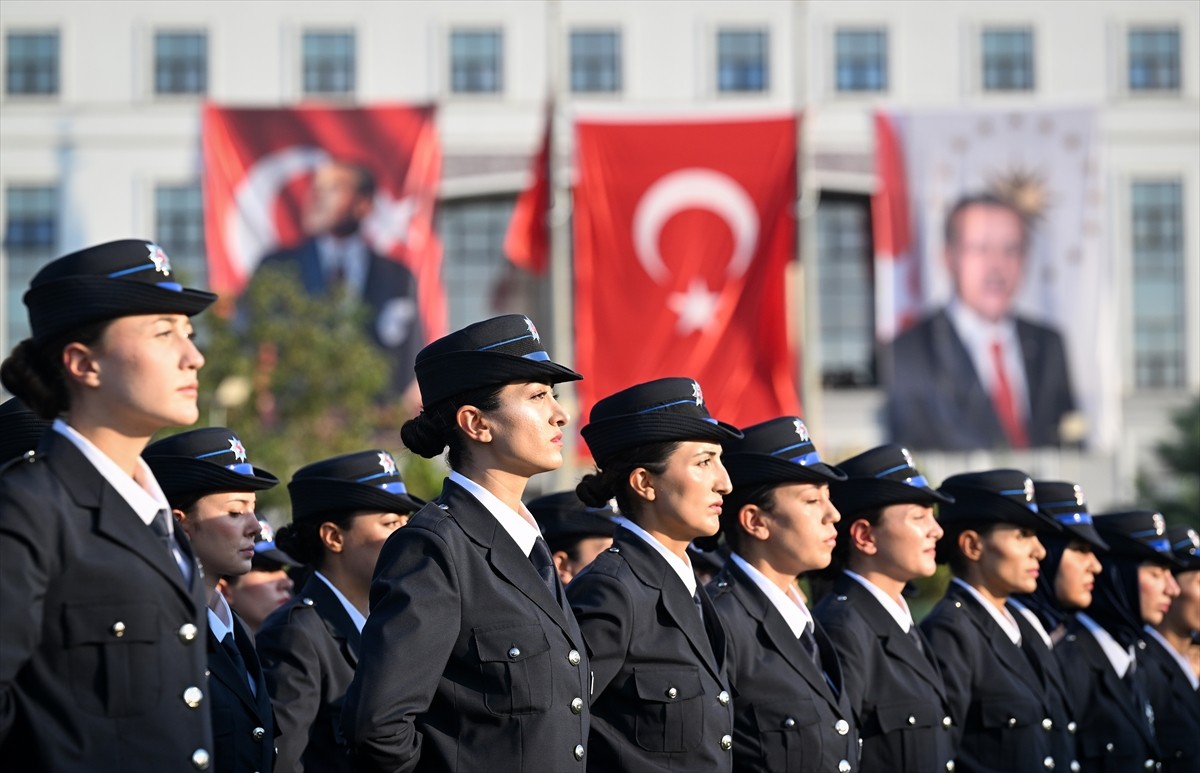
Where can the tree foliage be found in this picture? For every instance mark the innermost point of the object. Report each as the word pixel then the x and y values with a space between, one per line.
pixel 1178 496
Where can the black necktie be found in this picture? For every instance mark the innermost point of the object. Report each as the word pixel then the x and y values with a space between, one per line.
pixel 544 563
pixel 699 605
pixel 810 646
pixel 916 637
pixel 160 529
pixel 235 655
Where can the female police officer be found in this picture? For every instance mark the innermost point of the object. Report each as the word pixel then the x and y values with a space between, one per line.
pixel 660 698
pixel 493 675
pixel 100 603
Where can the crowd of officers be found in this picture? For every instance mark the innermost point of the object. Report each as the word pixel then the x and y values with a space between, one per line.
pixel 649 620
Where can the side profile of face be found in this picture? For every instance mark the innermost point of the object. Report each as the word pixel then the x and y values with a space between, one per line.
pixel 684 501
pixel 524 434
pixel 335 206
pixel 585 553
pixel 1156 589
pixel 222 528
pixel 1184 615
pixel 1076 576
pixel 987 259
pixel 1010 560
pixel 142 373
pixel 904 542
pixel 800 522
pixel 256 594
pixel 363 540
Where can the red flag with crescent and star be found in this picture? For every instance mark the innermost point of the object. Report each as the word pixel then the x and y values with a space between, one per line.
pixel 258 164
pixel 683 233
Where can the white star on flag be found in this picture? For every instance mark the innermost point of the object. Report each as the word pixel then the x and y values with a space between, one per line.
pixel 238 450
pixel 387 463
pixel 696 307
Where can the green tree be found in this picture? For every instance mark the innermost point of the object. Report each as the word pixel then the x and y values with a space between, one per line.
pixel 299 380
pixel 1177 496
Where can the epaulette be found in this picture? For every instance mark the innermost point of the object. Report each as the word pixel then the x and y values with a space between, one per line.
pixel 30 456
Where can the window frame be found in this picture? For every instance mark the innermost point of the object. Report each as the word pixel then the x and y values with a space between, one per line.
pixel 344 96
pixel 618 64
pixel 154 62
pixel 500 60
pixel 34 96
pixel 886 89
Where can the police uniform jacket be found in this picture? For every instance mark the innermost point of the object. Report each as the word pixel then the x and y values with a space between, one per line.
pixel 1176 708
pixel 101 638
pixel 894 688
pixel 1115 732
pixel 309 648
pixel 1062 727
pixel 468 661
pixel 787 717
pixel 997 701
pixel 660 698
pixel 243 725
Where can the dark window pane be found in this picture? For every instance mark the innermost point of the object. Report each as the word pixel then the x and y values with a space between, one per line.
pixel 30 242
pixel 1158 302
pixel 847 324
pixel 329 63
pixel 179 230
pixel 861 60
pixel 181 63
pixel 476 62
pixel 472 233
pixel 742 61
pixel 1153 59
pixel 1008 60
pixel 595 61
pixel 31 63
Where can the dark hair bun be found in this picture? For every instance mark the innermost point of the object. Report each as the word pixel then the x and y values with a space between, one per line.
pixel 594 491
pixel 27 374
pixel 305 548
pixel 423 436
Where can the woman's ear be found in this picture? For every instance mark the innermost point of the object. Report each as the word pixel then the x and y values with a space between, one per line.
pixel 474 424
pixel 184 521
pixel 331 536
pixel 970 544
pixel 862 537
pixel 641 481
pixel 79 362
pixel 755 522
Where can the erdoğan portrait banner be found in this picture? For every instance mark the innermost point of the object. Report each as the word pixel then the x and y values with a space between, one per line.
pixel 258 164
pixel 683 233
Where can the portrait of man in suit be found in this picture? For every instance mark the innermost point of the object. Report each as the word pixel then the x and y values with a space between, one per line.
pixel 336 260
pixel 975 374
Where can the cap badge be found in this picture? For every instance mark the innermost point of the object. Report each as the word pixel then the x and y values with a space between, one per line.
pixel 1028 489
pixel 697 394
pixel 162 263
pixel 387 463
pixel 237 449
pixel 265 532
pixel 801 430
pixel 1078 495
pixel 907 457
pixel 1160 525
pixel 533 331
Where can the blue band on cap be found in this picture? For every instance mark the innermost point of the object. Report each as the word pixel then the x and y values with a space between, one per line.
pixel 1010 492
pixel 1067 519
pixel 242 468
pixel 376 475
pixel 502 343
pixel 134 270
pixel 172 286
pixel 216 453
pixel 1161 545
pixel 779 451
pixel 539 355
pixel 1146 533
pixel 668 405
pixel 804 460
pixel 916 481
pixel 395 487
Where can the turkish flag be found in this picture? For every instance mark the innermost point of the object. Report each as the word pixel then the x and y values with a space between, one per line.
pixel 257 167
pixel 527 241
pixel 897 275
pixel 683 232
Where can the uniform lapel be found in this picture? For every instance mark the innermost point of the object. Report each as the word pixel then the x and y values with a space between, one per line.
pixel 503 554
pixel 114 518
pixel 654 571
pixel 1119 692
pixel 1009 654
pixel 222 668
pixel 336 618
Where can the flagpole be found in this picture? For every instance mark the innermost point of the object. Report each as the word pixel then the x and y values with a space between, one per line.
pixel 808 292
pixel 561 296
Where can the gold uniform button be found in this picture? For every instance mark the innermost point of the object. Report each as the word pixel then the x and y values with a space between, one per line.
pixel 573 657
pixel 118 629
pixel 187 633
pixel 201 759
pixel 723 698
pixel 1047 724
pixel 578 751
pixel 577 706
pixel 841 727
pixel 843 767
pixel 258 734
pixel 515 652
pixel 192 696
pixel 672 693
pixel 726 742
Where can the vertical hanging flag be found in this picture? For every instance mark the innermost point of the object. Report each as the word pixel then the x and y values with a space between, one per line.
pixel 258 169
pixel 897 274
pixel 683 232
pixel 527 241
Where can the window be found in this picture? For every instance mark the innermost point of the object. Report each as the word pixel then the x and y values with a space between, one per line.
pixel 742 62
pixel 861 60
pixel 179 229
pixel 31 63
pixel 30 241
pixel 1158 302
pixel 1008 59
pixel 476 62
pixel 595 61
pixel 180 63
pixel 844 265
pixel 329 63
pixel 1154 59
pixel 472 232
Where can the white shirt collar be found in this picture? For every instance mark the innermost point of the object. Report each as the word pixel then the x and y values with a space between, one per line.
pixel 146 502
pixel 1033 620
pixel 216 624
pixel 794 612
pixel 682 568
pixel 350 253
pixel 1179 659
pixel 1002 617
pixel 900 614
pixel 1118 656
pixel 358 617
pixel 977 335
pixel 522 531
